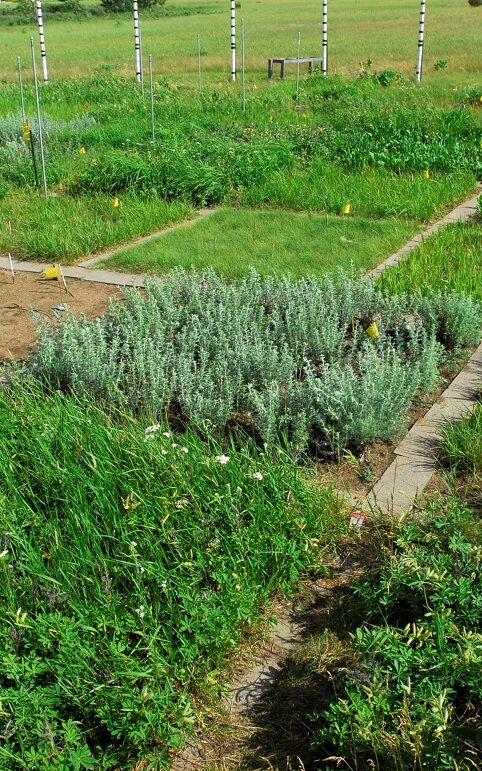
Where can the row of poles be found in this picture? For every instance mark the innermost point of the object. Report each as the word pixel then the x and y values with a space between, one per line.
pixel 138 42
pixel 28 136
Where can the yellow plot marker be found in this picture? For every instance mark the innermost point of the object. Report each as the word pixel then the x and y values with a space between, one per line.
pixel 346 208
pixel 372 330
pixel 426 174
pixel 115 202
pixel 82 151
pixel 26 131
pixel 51 272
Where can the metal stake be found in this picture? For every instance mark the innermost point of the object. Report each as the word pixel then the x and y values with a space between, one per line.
pixel 151 88
pixel 298 68
pixel 20 82
pixel 243 62
pixel 199 65
pixel 39 120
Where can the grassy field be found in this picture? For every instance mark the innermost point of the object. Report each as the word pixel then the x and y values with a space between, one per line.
pixel 450 261
pixel 361 30
pixel 234 240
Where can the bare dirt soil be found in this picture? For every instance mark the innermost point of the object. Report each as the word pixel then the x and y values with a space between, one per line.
pixel 29 292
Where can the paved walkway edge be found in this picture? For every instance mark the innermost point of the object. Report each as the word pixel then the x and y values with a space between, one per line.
pixel 461 213
pixel 411 471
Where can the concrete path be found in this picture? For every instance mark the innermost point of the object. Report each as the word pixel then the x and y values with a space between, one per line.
pixel 416 460
pixel 117 278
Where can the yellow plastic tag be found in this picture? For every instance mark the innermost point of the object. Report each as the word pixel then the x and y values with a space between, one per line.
pixel 26 131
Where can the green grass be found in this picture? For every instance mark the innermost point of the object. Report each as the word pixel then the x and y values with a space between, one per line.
pixel 65 228
pixel 359 30
pixel 234 240
pixel 131 562
pixel 450 260
pixel 371 192
pixel 462 444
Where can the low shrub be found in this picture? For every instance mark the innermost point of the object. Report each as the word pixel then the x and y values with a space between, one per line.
pixel 278 357
pixel 130 564
pixel 410 697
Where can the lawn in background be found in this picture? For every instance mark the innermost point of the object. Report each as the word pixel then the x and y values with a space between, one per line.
pixel 234 240
pixel 359 30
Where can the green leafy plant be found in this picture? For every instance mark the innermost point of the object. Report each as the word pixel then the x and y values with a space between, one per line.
pixel 131 561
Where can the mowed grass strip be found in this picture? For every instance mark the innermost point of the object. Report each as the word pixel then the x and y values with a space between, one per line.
pixel 370 192
pixel 450 260
pixel 234 240
pixel 65 228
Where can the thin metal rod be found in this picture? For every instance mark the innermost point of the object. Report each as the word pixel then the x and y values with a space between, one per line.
pixel 151 89
pixel 39 119
pixel 298 52
pixel 233 40
pixel 421 33
pixel 20 82
pixel 199 65
pixel 11 267
pixel 137 41
pixel 243 61
pixel 324 51
pixel 43 53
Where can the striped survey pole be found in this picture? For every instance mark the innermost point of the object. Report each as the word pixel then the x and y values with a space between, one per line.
pixel 137 41
pixel 43 53
pixel 324 47
pixel 233 40
pixel 421 32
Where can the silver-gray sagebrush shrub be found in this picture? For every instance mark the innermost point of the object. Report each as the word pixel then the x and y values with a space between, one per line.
pixel 275 356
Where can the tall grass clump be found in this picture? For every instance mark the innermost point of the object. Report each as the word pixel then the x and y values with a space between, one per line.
pixel 131 561
pixel 279 358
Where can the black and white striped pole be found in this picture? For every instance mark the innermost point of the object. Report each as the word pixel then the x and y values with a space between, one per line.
pixel 324 47
pixel 421 32
pixel 43 53
pixel 39 120
pixel 233 41
pixel 137 41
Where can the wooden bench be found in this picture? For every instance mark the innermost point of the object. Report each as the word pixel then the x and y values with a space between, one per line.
pixel 309 60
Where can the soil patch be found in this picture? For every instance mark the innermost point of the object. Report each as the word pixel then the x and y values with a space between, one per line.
pixel 30 292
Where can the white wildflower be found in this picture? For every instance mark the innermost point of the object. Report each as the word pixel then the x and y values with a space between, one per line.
pixel 184 449
pixel 3 554
pixel 166 433
pixel 223 459
pixel 140 611
pixel 257 475
pixel 163 451
pixel 174 445
pixel 134 544
pixel 152 429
